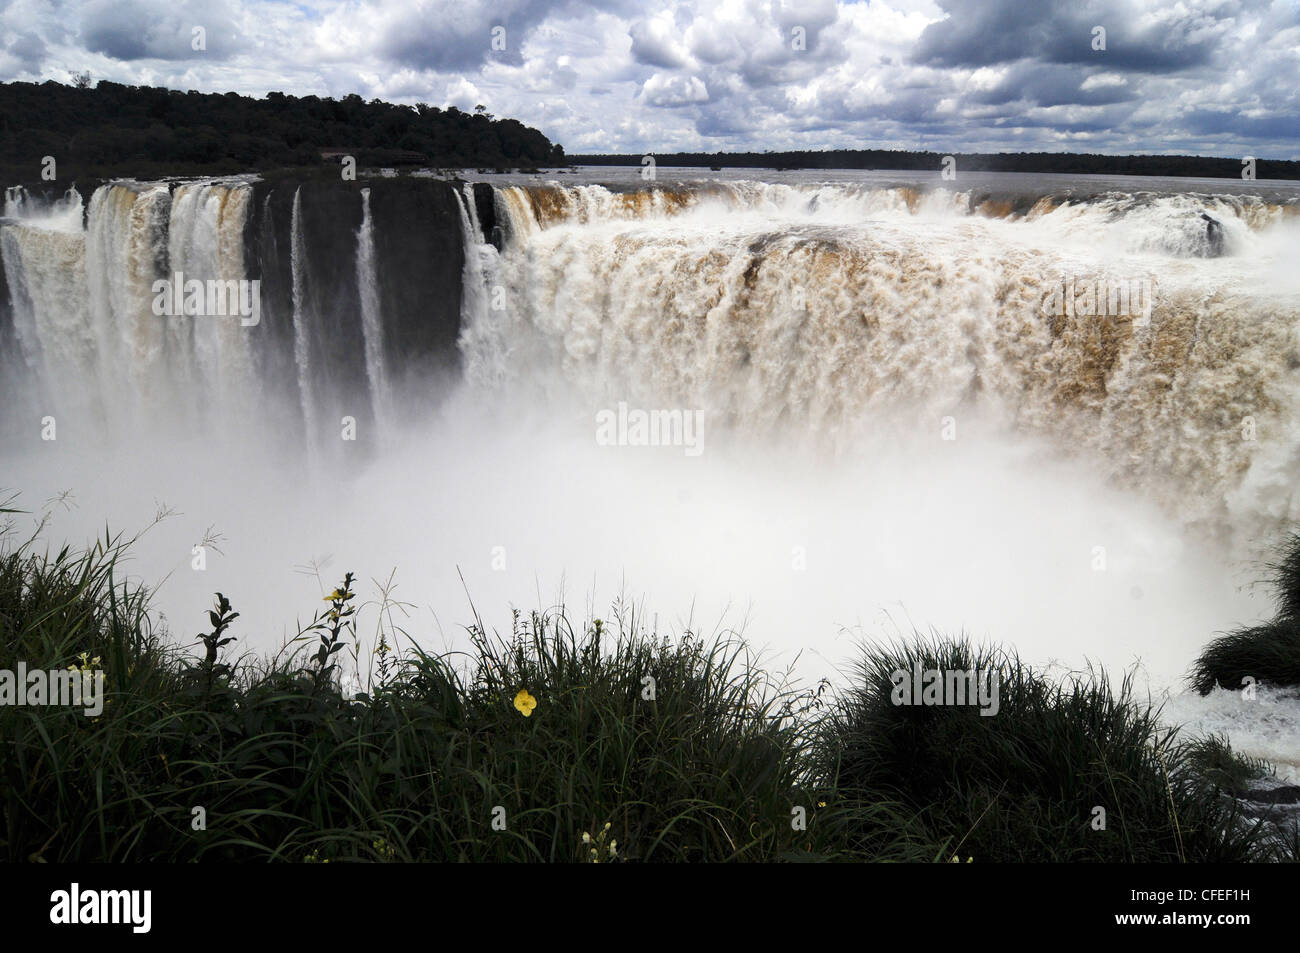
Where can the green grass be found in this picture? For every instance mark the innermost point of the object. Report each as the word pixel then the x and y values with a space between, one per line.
pixel 1029 782
pixel 687 750
pixel 1216 762
pixel 654 749
pixel 1267 653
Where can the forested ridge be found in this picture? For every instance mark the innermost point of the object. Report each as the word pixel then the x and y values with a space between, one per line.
pixel 112 129
pixel 108 129
pixel 1060 162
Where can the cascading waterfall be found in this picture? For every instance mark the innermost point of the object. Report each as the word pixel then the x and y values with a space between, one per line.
pixel 83 303
pixel 15 198
pixel 20 204
pixel 131 310
pixel 301 332
pixel 206 244
pixel 45 270
pixel 478 330
pixel 371 318
pixel 839 314
pixel 126 233
pixel 844 313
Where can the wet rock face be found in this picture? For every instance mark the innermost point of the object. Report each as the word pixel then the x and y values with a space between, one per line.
pixel 420 256
pixel 267 257
pixel 485 204
pixel 1285 794
pixel 11 374
pixel 1213 236
pixel 417 260
pixel 1276 803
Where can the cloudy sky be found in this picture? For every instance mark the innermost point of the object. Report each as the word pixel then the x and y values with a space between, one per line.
pixel 1217 77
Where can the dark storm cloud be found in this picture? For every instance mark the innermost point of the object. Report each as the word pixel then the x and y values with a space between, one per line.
pixel 1207 122
pixel 28 49
pixel 985 32
pixel 455 35
pixel 725 119
pixel 443 36
pixel 157 29
pixel 1042 85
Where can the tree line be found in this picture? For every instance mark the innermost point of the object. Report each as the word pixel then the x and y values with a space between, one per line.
pixel 1058 162
pixel 108 129
pixel 112 129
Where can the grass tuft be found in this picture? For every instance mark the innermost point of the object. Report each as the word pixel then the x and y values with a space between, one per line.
pixel 1267 653
pixel 1072 769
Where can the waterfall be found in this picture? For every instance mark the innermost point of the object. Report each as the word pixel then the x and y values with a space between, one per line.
pixel 926 392
pixel 301 342
pixel 206 244
pixel 126 250
pixel 834 315
pixel 480 337
pixel 845 316
pixel 132 309
pixel 66 209
pixel 15 199
pixel 82 303
pixel 45 271
pixel 372 318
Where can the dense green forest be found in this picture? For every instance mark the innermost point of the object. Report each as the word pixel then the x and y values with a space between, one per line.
pixel 111 129
pixel 108 129
pixel 1063 162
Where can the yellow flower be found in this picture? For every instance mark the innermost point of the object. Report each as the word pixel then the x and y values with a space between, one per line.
pixel 87 663
pixel 525 702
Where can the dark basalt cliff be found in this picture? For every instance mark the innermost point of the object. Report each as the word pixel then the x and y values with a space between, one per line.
pixel 417 260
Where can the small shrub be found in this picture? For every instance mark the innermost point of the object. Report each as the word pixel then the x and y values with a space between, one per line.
pixel 1025 784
